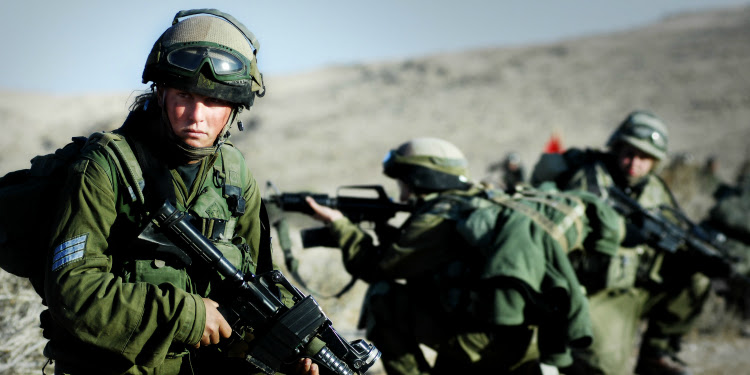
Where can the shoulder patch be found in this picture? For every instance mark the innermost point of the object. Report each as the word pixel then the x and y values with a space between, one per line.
pixel 69 251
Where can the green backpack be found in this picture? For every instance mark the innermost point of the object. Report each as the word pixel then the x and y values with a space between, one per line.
pixel 29 198
pixel 569 217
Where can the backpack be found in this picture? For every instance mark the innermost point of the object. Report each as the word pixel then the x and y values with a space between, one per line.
pixel 558 167
pixel 29 198
pixel 596 225
pixel 517 256
pixel 584 226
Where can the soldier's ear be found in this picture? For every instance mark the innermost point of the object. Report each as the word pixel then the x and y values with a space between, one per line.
pixel 161 93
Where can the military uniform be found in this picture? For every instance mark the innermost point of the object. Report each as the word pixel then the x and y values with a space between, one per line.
pixel 117 307
pixel 122 304
pixel 639 283
pixel 488 298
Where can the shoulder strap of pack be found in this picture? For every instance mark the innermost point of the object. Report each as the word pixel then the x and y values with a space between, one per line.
pixel 230 172
pixel 573 214
pixel 597 179
pixel 232 162
pixel 265 261
pixel 125 159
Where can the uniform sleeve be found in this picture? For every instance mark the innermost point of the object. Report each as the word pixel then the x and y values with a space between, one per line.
pixel 424 241
pixel 137 321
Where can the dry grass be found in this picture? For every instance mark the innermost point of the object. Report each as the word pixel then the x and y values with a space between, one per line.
pixel 22 343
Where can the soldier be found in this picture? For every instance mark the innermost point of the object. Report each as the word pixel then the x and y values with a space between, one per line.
pixel 511 170
pixel 640 284
pixel 489 298
pixel 116 306
pixel 730 215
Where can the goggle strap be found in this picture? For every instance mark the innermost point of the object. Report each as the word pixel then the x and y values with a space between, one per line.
pixel 215 12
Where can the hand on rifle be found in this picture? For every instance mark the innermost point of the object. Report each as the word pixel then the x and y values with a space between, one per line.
pixel 305 366
pixel 324 213
pixel 216 326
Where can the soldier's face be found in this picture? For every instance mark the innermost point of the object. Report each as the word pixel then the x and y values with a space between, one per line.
pixel 404 191
pixel 196 119
pixel 633 162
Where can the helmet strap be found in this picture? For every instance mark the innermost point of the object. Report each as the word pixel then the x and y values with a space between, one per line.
pixel 224 135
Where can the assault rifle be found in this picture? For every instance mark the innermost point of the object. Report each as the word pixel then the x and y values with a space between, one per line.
pixel 651 226
pixel 377 210
pixel 281 334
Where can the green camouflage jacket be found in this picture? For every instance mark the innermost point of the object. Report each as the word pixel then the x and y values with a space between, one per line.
pixel 117 308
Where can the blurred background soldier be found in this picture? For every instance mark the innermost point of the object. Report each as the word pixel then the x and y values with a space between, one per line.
pixel 639 282
pixel 731 216
pixel 511 171
pixel 481 278
pixel 708 178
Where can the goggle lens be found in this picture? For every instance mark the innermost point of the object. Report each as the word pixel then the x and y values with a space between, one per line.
pixel 648 133
pixel 191 59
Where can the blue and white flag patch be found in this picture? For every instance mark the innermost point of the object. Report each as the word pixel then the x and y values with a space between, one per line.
pixel 69 251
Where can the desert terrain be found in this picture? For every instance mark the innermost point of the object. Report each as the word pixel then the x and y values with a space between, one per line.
pixel 331 127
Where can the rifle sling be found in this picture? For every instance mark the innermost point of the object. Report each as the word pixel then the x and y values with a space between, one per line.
pixel 265 261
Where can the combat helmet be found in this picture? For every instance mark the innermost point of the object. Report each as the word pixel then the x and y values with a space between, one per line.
pixel 644 131
pixel 211 54
pixel 428 164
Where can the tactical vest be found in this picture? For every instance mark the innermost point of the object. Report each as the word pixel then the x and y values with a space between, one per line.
pixel 215 211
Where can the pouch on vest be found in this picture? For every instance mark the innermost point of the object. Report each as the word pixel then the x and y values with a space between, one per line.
pixel 622 271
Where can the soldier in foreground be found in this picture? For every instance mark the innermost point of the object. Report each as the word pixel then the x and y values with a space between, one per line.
pixel 639 283
pixel 119 306
pixel 472 273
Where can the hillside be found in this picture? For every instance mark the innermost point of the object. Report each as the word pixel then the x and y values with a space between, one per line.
pixel 331 127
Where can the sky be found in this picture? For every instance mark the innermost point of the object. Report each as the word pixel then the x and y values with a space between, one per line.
pixel 88 46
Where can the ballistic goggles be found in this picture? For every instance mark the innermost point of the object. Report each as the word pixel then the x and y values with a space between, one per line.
pixel 646 133
pixel 453 166
pixel 427 173
pixel 188 59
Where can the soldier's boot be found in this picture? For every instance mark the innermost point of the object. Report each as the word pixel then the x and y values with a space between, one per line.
pixel 658 356
pixel 661 364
